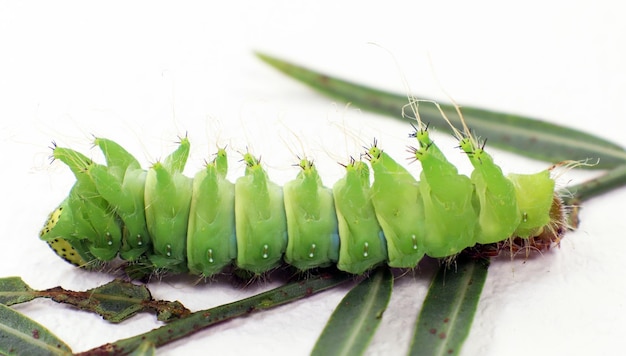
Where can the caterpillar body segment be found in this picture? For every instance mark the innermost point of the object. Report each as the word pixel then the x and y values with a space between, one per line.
pixel 399 209
pixel 362 243
pixel 211 239
pixel 121 182
pixel 534 209
pixel 499 213
pixel 85 214
pixel 313 238
pixel 167 203
pixel 261 224
pixel 160 219
pixel 448 204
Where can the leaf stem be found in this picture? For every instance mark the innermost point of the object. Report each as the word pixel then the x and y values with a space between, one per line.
pixel 206 318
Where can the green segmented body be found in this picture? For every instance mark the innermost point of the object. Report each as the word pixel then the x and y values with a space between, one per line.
pixel 163 220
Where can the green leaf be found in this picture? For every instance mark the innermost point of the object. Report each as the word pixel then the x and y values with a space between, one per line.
pixel 448 310
pixel 354 322
pixel 525 136
pixel 205 318
pixel 21 335
pixel 613 179
pixel 13 290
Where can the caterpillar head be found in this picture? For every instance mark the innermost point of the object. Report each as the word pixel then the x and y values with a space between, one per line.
pixel 56 233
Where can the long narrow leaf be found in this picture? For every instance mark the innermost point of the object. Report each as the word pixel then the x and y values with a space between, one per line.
pixel 20 335
pixel 612 179
pixel 448 310
pixel 522 135
pixel 354 322
pixel 13 290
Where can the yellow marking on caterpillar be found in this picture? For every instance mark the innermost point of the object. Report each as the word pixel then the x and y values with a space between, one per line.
pixel 63 248
pixel 53 219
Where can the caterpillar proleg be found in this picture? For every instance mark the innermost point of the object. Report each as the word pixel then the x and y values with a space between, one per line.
pixel 163 220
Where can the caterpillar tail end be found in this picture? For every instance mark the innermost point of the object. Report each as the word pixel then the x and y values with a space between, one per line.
pixel 550 235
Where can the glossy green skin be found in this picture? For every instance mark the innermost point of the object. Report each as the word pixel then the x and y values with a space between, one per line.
pixel 163 220
pixel 533 193
pixel 167 198
pixel 499 213
pixel 121 183
pixel 448 197
pixel 362 242
pixel 311 221
pixel 260 219
pixel 85 217
pixel 399 210
pixel 448 209
pixel 211 239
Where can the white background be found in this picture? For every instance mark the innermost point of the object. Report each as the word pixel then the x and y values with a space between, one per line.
pixel 143 73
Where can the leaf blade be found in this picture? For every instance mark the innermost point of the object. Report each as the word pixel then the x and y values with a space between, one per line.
pixel 13 290
pixel 448 310
pixel 21 335
pixel 522 135
pixel 346 334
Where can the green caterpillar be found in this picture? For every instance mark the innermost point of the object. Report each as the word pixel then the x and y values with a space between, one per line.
pixel 163 220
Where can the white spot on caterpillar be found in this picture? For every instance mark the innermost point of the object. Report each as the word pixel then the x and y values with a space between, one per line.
pixel 169 250
pixel 366 247
pixel 210 255
pixel 139 240
pixel 109 240
pixel 414 239
pixel 266 251
pixel 312 251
